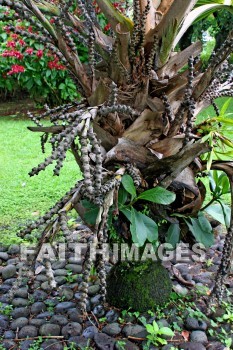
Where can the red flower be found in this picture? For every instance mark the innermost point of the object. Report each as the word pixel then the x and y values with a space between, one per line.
pixel 21 42
pixel 55 65
pixel 13 53
pixel 11 44
pixel 16 68
pixel 107 27
pixel 29 51
pixel 30 29
pixel 14 36
pixel 39 53
pixel 52 20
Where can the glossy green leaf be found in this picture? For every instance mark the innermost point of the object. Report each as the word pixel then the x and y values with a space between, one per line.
pixel 166 331
pixel 158 195
pixel 173 234
pixel 129 186
pixel 142 228
pixel 201 230
pixel 220 213
pixel 91 213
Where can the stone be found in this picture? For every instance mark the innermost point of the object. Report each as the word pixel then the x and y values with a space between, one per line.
pixel 103 341
pixel 28 331
pixel 94 289
pixel 79 341
pixel 75 315
pixel 20 302
pixel 99 311
pixel 180 289
pixel 112 316
pixel 90 332
pixel 10 281
pixel 137 285
pixel 52 344
pixel 8 344
pixel 9 335
pixel 8 272
pixel 198 336
pixel 64 306
pixel 4 256
pixel 60 272
pixel 39 295
pixel 19 323
pixel 95 300
pixel 12 261
pixel 4 323
pixel 41 278
pixel 216 346
pixel 67 293
pixel 163 323
pixel 134 330
pixel 37 322
pixel 38 307
pixel 60 264
pixel 45 315
pixel 4 288
pixel 20 312
pixel 192 323
pixel 50 329
pixel 26 344
pixel 191 346
pixel 60 280
pixel 112 329
pixel 59 319
pixel 14 249
pixel 46 286
pixel 21 292
pixel 71 329
pixel 74 268
pixel 125 344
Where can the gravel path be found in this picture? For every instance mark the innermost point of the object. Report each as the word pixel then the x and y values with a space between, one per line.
pixel 51 319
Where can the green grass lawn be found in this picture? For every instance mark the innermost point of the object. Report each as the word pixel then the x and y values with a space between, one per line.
pixel 24 198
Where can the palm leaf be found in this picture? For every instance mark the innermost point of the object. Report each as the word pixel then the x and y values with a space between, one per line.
pixel 197 14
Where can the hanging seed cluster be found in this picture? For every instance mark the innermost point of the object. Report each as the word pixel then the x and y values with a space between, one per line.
pixel 189 102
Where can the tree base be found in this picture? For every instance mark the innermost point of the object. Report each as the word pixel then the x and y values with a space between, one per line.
pixel 138 285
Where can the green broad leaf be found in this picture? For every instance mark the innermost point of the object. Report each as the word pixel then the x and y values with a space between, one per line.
pixel 155 327
pixel 166 331
pixel 225 106
pixel 149 328
pixel 142 228
pixel 205 138
pixel 173 234
pixel 91 213
pixel 128 184
pixel 122 196
pixel 158 195
pixel 126 212
pixel 225 120
pixel 201 230
pixel 161 341
pixel 226 213
pixel 224 183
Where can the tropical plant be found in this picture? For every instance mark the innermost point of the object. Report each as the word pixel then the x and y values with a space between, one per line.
pixel 139 148
pixel 156 334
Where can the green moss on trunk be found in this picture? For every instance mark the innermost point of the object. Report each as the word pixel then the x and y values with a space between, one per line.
pixel 138 285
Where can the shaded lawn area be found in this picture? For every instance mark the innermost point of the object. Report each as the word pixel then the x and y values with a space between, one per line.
pixel 24 198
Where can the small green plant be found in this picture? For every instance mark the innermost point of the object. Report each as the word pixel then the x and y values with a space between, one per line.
pixel 102 319
pixel 228 343
pixel 121 344
pixel 36 345
pixel 6 310
pixel 228 317
pixel 209 262
pixel 70 278
pixel 50 305
pixel 155 334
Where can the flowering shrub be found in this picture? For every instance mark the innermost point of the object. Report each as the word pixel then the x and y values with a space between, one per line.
pixel 27 65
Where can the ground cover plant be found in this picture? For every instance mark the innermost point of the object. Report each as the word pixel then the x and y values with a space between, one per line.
pixel 139 148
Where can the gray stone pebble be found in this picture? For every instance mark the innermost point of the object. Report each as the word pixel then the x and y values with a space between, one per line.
pixel 20 312
pixel 59 319
pixel 112 329
pixel 8 272
pixel 4 256
pixel 37 322
pixel 38 307
pixel 14 249
pixel 79 341
pixel 64 306
pixel 194 324
pixel 192 346
pixel 60 272
pixel 50 329
pixel 60 264
pixel 20 302
pixel 198 336
pixel 134 331
pixel 92 290
pixel 71 329
pixel 75 268
pixel 52 344
pixel 19 323
pixel 90 332
pixel 8 344
pixel 9 335
pixel 28 331
pixel 67 293
pixel 103 341
pixel 22 292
